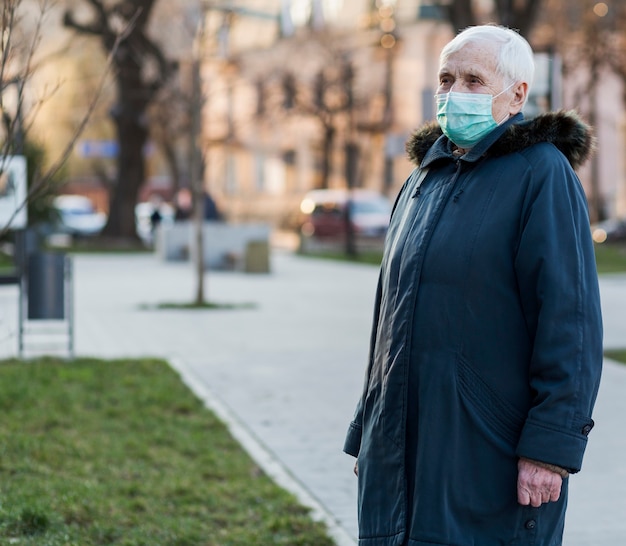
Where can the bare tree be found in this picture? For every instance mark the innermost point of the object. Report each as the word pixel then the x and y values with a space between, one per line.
pixel 16 70
pixel 17 67
pixel 170 125
pixel 590 42
pixel 141 70
pixel 330 99
pixel 518 14
pixel 459 13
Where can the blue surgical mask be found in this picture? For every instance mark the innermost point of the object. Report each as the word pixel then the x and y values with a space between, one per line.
pixel 465 118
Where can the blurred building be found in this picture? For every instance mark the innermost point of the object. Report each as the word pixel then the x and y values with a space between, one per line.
pixel 303 94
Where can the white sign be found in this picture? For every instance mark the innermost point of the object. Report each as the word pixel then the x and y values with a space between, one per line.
pixel 13 192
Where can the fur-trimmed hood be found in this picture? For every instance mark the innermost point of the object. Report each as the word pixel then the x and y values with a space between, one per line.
pixel 573 137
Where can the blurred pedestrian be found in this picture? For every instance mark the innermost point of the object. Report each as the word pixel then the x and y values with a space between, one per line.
pixel 155 216
pixel 183 205
pixel 211 212
pixel 486 347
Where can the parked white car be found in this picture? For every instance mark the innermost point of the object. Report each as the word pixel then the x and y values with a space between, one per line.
pixel 78 216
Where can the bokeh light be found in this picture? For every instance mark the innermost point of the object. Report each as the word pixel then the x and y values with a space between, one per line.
pixel 601 9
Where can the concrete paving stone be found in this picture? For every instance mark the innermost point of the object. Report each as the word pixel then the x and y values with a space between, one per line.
pixel 290 370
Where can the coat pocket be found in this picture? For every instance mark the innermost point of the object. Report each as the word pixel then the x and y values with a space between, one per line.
pixel 488 405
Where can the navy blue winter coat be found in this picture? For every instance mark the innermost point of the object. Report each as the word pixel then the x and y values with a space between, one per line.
pixel 487 340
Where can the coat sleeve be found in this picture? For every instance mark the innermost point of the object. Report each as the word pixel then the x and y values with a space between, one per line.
pixel 558 284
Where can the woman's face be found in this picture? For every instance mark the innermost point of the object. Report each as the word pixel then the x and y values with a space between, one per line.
pixel 473 69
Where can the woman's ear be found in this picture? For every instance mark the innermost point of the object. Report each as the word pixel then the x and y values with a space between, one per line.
pixel 519 98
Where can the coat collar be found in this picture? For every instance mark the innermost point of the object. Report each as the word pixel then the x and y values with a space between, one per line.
pixel 564 129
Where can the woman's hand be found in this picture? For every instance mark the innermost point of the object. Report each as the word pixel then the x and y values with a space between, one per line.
pixel 537 485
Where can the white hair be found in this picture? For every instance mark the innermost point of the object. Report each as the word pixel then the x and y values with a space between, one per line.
pixel 515 61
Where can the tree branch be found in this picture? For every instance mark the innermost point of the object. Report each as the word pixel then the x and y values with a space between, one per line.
pixel 98 27
pixel 42 183
pixel 69 21
pixel 459 13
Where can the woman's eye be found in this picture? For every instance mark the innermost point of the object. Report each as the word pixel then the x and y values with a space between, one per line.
pixel 475 81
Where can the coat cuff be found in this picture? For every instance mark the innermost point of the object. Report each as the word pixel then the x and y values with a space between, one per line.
pixel 352 444
pixel 551 467
pixel 545 443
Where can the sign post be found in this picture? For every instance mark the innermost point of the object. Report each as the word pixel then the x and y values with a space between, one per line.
pixel 13 192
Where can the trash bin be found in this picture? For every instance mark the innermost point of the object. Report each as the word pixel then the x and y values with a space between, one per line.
pixel 46 286
pixel 257 257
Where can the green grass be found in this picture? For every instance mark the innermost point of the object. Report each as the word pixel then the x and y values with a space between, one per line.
pixel 371 257
pixel 121 453
pixel 611 258
pixel 618 355
pixel 100 245
pixel 6 261
pixel 192 306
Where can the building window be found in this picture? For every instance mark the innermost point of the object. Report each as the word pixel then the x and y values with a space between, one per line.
pixel 303 10
pixel 289 157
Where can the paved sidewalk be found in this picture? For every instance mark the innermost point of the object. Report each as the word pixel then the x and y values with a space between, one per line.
pixel 288 372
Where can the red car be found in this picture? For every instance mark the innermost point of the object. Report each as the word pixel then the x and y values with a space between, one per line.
pixel 324 213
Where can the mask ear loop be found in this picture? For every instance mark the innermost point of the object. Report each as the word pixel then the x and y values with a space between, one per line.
pixel 507 116
pixel 504 90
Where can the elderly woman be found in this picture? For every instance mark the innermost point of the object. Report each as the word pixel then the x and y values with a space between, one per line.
pixel 486 348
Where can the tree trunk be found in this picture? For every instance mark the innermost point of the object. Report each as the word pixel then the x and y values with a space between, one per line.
pixel 327 152
pixel 459 13
pixel 132 138
pixel 131 124
pixel 135 91
pixel 197 187
pixel 518 15
pixel 511 13
pixel 171 159
pixel 596 205
pixel 351 153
